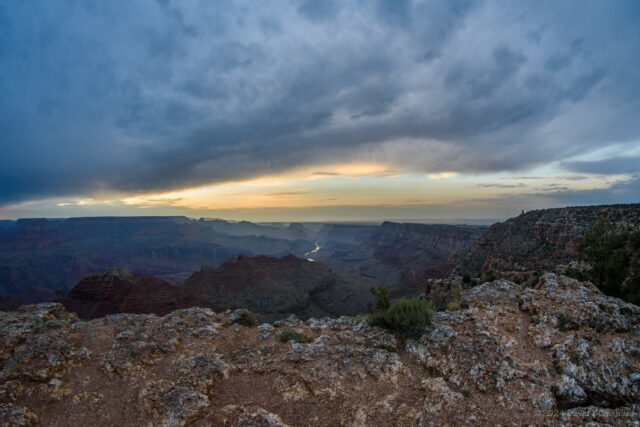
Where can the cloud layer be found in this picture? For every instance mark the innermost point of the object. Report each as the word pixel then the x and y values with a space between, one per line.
pixel 146 96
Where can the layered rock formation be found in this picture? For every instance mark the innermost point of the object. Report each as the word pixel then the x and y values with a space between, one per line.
pixel 335 235
pixel 274 287
pixel 120 291
pixel 558 353
pixel 293 231
pixel 403 254
pixel 539 240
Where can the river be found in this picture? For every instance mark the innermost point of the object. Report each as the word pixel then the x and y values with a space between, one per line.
pixel 312 252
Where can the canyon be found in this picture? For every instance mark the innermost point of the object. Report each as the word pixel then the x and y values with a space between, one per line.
pixel 129 349
pixel 41 260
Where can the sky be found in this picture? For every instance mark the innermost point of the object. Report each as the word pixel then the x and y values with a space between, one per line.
pixel 317 110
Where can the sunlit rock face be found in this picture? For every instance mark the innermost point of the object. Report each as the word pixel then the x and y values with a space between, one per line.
pixel 559 352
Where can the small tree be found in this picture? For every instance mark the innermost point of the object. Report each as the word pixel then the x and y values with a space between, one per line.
pixel 381 295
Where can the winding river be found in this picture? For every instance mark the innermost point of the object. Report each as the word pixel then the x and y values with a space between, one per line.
pixel 312 252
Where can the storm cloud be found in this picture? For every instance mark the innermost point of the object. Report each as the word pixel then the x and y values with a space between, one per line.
pixel 145 96
pixel 609 166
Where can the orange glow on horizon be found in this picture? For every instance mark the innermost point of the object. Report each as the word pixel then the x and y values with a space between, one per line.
pixel 335 185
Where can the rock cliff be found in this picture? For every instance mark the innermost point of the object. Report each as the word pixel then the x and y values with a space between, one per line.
pixel 275 287
pixel 119 290
pixel 539 240
pixel 558 353
pixel 403 255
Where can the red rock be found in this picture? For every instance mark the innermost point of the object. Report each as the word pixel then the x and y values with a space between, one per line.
pixel 9 304
pixel 120 291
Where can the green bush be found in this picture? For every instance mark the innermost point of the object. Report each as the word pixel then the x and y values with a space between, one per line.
pixel 457 302
pixel 245 317
pixel 387 347
pixel 576 274
pixel 447 297
pixel 406 317
pixel 614 258
pixel 604 250
pixel 563 323
pixel 632 282
pixel 291 335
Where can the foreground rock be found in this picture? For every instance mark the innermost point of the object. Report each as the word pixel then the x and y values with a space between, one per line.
pixel 558 353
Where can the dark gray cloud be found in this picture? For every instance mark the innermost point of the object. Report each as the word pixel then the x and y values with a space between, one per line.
pixel 612 165
pixel 520 185
pixel 624 191
pixel 123 96
pixel 571 177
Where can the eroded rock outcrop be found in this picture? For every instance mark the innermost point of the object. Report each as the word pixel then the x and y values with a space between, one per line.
pixel 276 287
pixel 402 254
pixel 557 353
pixel 539 240
pixel 119 290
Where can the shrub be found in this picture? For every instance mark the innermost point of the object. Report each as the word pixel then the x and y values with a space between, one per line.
pixel 244 317
pixel 387 347
pixel 291 335
pixel 604 249
pixel 381 294
pixel 563 322
pixel 448 297
pixel 614 258
pixel 406 317
pixel 454 305
pixel 576 274
pixel 457 302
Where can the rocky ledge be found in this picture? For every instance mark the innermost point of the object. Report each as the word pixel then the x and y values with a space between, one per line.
pixel 557 353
